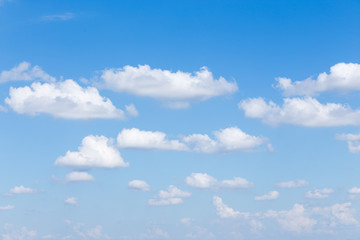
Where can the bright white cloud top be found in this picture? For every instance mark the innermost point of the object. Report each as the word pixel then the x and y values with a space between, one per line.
pixel 79 177
pixel 62 100
pixel 171 196
pixel 166 85
pixel 139 185
pixel 222 210
pixel 269 196
pixel 343 77
pixel 319 193
pixel 24 72
pixel 306 111
pixel 228 139
pixel 94 152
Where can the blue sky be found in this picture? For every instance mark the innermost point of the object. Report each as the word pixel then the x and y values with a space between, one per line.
pixel 179 119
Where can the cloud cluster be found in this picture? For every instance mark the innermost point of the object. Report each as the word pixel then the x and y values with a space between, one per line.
pixel 343 77
pixel 63 100
pixel 94 152
pixel 228 139
pixel 205 181
pixel 171 196
pixel 319 193
pixel 18 234
pixel 306 111
pixel 176 87
pixel 24 72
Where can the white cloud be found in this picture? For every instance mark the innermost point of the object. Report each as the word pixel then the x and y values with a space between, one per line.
pixel 201 180
pixel 71 201
pixel 222 210
pixel 59 17
pixel 131 110
pixel 171 196
pixel 24 72
pixel 8 207
pixel 269 196
pixel 22 234
pixel 293 184
pixel 135 138
pixel 237 182
pixel 305 111
pixel 296 219
pixel 353 141
pixel 319 193
pixel 338 214
pixel 62 99
pixel 94 152
pixel 228 139
pixel 92 233
pixel 205 181
pixel 343 77
pixel 79 177
pixel 139 185
pixel 354 190
pixel 166 85
pixel 21 190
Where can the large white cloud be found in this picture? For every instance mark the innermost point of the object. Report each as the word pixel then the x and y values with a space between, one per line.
pixel 94 152
pixel 343 77
pixel 269 196
pixel 222 210
pixel 166 85
pixel 205 181
pixel 135 138
pixel 24 72
pixel 305 111
pixel 171 196
pixel 228 139
pixel 65 99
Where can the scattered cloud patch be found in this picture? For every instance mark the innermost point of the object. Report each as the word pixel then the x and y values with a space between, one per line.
pixel 269 196
pixel 354 190
pixel 205 181
pixel 171 196
pixel 139 185
pixel 293 184
pixel 319 193
pixel 343 77
pixel 63 100
pixel 131 110
pixel 79 177
pixel 10 233
pixel 24 72
pixel 21 190
pixel 174 87
pixel 228 139
pixel 58 17
pixel 71 201
pixel 5 208
pixel 353 141
pixel 306 111
pixel 94 152
pixel 155 233
pixel 237 182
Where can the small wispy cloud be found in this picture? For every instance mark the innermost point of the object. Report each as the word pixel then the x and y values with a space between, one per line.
pixel 58 17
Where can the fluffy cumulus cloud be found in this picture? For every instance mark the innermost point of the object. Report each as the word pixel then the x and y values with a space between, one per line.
pixel 269 196
pixel 175 87
pixel 222 210
pixel 343 77
pixel 353 141
pixel 139 185
pixel 65 99
pixel 171 196
pixel 228 139
pixel 21 190
pixel 71 201
pixel 94 152
pixel 79 177
pixel 293 184
pixel 135 138
pixel 338 214
pixel 319 193
pixel 205 181
pixel 24 72
pixel 306 111
pixel 297 219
